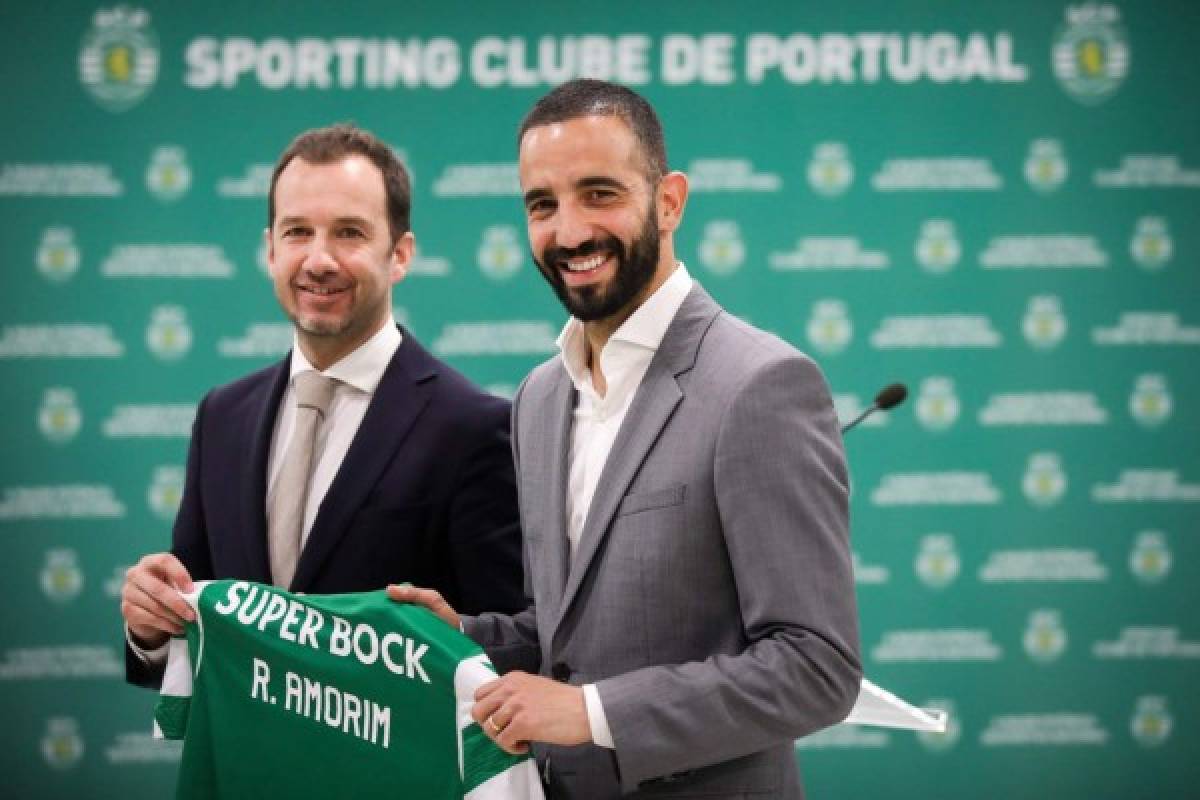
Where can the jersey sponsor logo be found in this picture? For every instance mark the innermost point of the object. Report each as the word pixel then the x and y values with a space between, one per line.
pixel 937 406
pixel 1044 324
pixel 168 336
pixel 1045 638
pixel 59 418
pixel 1045 482
pixel 62 746
pixel 1046 167
pixel 1151 722
pixel 165 491
pixel 937 563
pixel 61 578
pixel 118 61
pixel 255 605
pixel 722 249
pixel 1151 245
pixel 830 172
pixel 499 253
pixel 1090 53
pixel 168 176
pixel 829 327
pixel 1150 402
pixel 57 254
pixel 1150 558
pixel 937 248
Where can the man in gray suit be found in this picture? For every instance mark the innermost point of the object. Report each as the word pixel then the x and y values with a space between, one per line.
pixel 683 497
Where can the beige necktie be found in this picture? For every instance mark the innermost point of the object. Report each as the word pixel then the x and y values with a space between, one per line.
pixel 313 392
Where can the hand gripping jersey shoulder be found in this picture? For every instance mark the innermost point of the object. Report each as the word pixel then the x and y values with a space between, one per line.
pixel 282 695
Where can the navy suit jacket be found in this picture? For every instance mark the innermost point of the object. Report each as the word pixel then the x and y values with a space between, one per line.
pixel 426 493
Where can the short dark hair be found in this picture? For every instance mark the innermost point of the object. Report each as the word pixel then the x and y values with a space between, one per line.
pixel 586 97
pixel 336 142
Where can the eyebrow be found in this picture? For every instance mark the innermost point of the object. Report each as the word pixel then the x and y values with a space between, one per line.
pixel 361 221
pixel 536 194
pixel 599 180
pixel 587 182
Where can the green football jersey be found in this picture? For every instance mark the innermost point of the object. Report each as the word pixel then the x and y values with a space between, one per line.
pixel 352 695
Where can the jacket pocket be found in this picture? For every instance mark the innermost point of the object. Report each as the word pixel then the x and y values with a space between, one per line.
pixel 648 501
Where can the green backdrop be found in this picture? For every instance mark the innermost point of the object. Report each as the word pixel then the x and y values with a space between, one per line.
pixel 995 203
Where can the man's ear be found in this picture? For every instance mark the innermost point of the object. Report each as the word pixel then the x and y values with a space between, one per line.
pixel 270 246
pixel 671 197
pixel 403 252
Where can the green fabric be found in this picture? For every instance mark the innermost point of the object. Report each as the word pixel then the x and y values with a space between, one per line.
pixel 281 712
pixel 482 758
pixel 171 714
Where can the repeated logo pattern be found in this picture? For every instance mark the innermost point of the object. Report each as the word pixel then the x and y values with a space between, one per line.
pixel 997 209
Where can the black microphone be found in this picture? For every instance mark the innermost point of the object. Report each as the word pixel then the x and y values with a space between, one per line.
pixel 889 396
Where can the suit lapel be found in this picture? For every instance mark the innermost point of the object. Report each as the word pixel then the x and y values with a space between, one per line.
pixel 556 408
pixel 652 407
pixel 402 394
pixel 254 473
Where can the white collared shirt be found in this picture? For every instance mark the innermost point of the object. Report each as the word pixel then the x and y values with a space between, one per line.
pixel 357 375
pixel 597 419
pixel 624 361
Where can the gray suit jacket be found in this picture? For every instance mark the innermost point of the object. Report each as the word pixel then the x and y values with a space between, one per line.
pixel 711 600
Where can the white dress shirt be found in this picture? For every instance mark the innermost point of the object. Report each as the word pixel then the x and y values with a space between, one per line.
pixel 357 375
pixel 597 418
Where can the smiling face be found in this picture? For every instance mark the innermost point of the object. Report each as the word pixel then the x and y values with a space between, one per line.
pixel 331 254
pixel 598 229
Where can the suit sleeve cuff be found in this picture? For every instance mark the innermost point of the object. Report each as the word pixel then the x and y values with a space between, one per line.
pixel 601 735
pixel 153 656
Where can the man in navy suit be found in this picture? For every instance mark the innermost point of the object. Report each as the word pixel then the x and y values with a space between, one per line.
pixel 411 475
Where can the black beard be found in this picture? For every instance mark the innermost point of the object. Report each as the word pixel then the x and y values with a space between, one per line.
pixel 635 269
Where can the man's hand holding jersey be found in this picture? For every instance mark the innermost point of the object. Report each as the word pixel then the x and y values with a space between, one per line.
pixel 150 600
pixel 517 708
